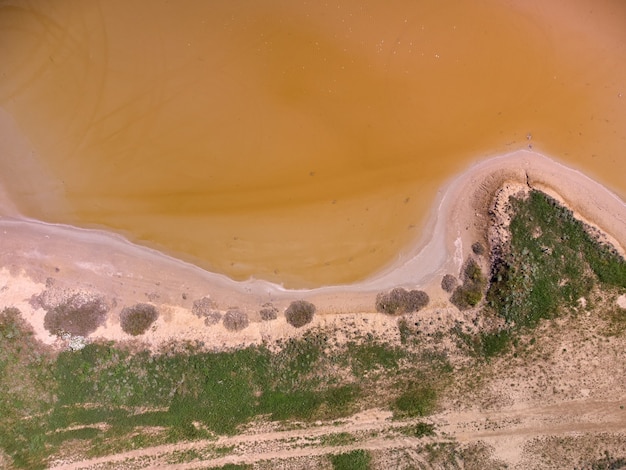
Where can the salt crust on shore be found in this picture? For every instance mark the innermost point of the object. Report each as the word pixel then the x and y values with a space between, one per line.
pixel 37 256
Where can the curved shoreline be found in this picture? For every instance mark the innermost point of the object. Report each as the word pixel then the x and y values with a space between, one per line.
pixel 98 261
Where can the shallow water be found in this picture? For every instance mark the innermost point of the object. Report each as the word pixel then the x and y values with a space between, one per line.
pixel 294 142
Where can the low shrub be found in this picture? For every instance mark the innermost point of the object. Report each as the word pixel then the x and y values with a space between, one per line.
pixel 400 301
pixel 137 319
pixel 79 315
pixel 268 312
pixel 470 293
pixel 478 248
pixel 465 297
pixel 235 320
pixel 205 308
pixel 449 282
pixel 299 313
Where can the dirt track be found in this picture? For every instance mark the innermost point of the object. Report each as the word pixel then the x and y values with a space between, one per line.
pixel 506 431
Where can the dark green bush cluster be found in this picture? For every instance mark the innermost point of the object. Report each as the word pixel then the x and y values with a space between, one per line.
pixel 470 293
pixel 299 313
pixel 235 320
pixel 79 315
pixel 400 301
pixel 137 319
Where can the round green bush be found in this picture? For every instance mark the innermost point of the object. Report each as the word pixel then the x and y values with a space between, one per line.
pixel 299 313
pixel 137 319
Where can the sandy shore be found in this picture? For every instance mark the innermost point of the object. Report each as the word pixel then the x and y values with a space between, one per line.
pixel 37 257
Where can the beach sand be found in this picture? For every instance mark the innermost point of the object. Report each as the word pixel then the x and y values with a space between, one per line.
pixel 61 260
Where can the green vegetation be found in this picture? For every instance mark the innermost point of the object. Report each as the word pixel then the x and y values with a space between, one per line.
pixel 104 394
pixel 400 301
pixel 355 460
pixel 418 400
pixel 25 395
pixel 470 293
pixel 299 313
pixel 485 345
pixel 418 430
pixel 553 262
pixel 369 356
pixel 337 439
pixel 137 319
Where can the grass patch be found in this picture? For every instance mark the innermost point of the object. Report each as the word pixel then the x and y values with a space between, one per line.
pixel 418 430
pixel 337 439
pixel 370 356
pixel 553 261
pixel 484 345
pixel 355 460
pixel 109 396
pixel 417 400
pixel 25 392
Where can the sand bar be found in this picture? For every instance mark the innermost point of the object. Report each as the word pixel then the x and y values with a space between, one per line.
pixel 36 256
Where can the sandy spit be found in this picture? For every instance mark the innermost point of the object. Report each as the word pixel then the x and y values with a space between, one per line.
pixel 37 257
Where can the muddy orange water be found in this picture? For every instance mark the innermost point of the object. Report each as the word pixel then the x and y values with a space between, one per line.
pixel 299 142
